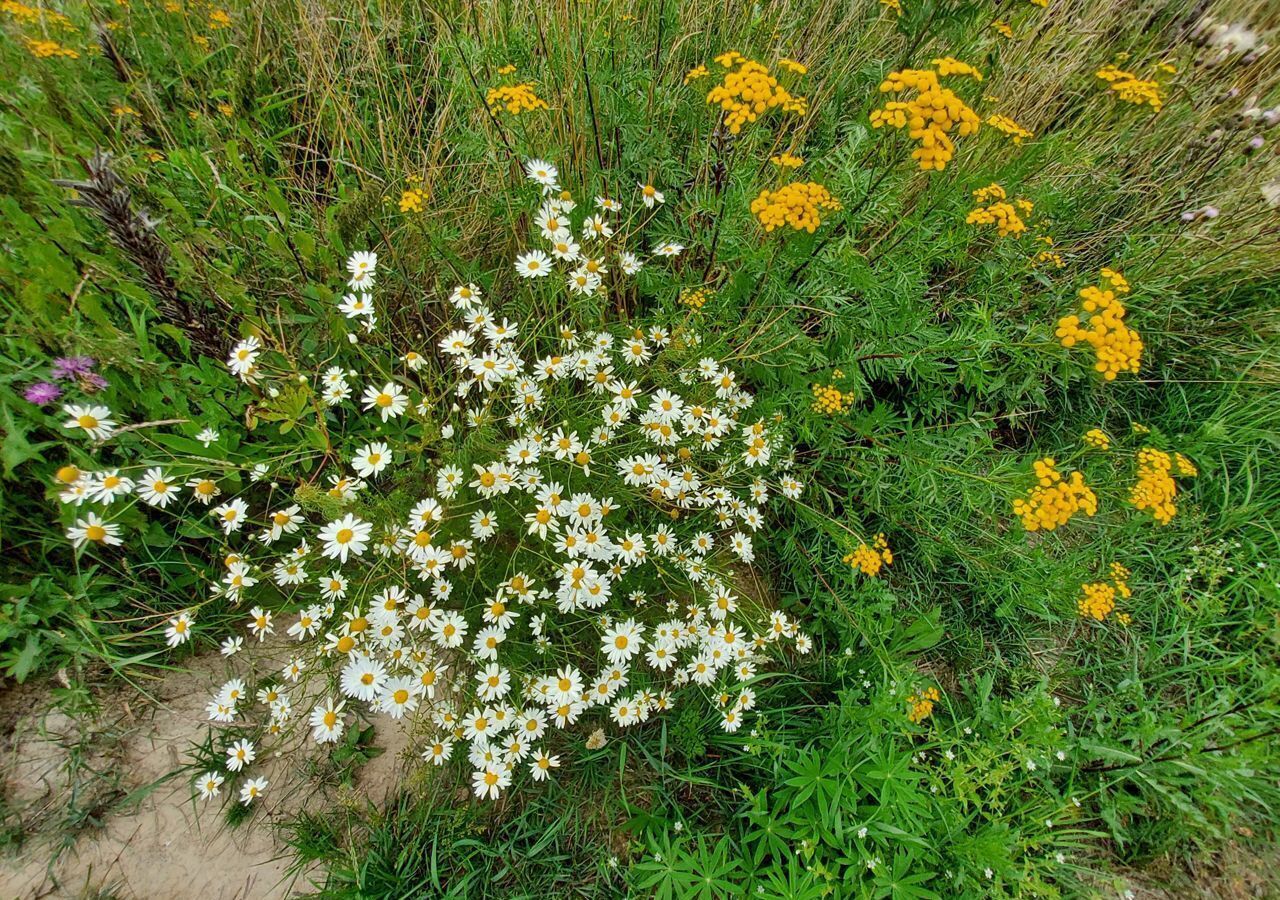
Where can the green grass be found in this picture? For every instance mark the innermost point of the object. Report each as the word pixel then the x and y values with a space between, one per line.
pixel 943 333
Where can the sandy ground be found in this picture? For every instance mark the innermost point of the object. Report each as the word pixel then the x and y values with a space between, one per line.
pixel 150 840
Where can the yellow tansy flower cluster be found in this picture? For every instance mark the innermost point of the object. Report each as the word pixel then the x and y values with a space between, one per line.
pixel 508 69
pixel 30 15
pixel 1054 500
pixel 829 400
pixel 47 49
pixel 1118 347
pixel 1004 216
pixel 515 99
pixel 1006 125
pixel 695 298
pixel 1099 597
pixel 1130 88
pixel 1097 439
pixel 870 558
pixel 990 192
pixel 787 160
pixel 1155 488
pixel 413 200
pixel 931 117
pixel 1003 27
pixel 695 73
pixel 1098 601
pixel 1047 258
pixel 921 704
pixel 749 91
pixel 1184 466
pixel 798 204
pixel 949 65
pixel 792 66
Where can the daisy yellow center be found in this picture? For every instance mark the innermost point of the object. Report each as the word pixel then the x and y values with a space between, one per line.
pixel 111 481
pixel 95 532
pixel 159 487
pixel 366 678
pixel 384 400
pixel 330 718
pixel 620 642
pixel 490 778
pixel 87 421
pixel 344 536
pixel 449 630
pixel 358 624
pixel 428 678
pixel 345 643
pixel 68 474
pixel 488 479
pixel 401 696
pixel 458 551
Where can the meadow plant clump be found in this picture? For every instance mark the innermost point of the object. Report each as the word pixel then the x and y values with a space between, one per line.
pixel 566 564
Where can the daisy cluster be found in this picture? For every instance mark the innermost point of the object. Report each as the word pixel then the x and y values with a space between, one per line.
pixel 566 566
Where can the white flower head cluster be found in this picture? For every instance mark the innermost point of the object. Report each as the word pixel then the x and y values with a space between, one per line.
pixel 567 565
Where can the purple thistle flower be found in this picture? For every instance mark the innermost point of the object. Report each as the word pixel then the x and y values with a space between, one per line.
pixel 42 393
pixel 65 367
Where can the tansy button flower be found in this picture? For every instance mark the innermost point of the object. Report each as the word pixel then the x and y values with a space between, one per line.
pixel 1130 88
pixel 1118 347
pixel 1155 488
pixel 515 99
pixel 749 91
pixel 1001 214
pixel 1054 500
pixel 870 558
pixel 1097 439
pixel 798 205
pixel 921 704
pixel 933 115
pixel 1006 125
